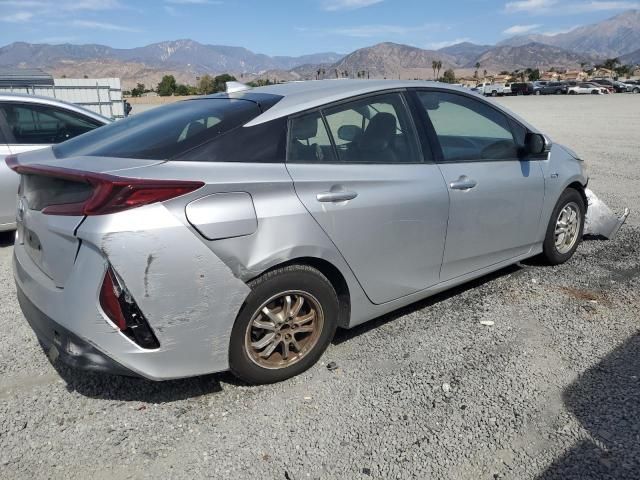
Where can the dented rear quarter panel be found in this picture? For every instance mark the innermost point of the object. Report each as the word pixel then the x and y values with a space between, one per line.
pixel 189 296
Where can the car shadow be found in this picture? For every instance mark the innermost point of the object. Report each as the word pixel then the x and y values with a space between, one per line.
pixel 343 335
pixel 7 239
pixel 606 402
pixel 128 389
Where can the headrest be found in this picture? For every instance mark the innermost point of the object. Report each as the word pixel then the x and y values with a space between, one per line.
pixel 305 128
pixel 380 132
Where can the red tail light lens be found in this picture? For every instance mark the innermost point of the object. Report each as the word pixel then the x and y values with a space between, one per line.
pixel 110 194
pixel 118 304
pixel 110 301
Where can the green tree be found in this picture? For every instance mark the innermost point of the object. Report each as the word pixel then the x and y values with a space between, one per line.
pixel 206 85
pixel 449 76
pixel 182 89
pixel 534 75
pixel 611 63
pixel 167 86
pixel 138 90
pixel 219 82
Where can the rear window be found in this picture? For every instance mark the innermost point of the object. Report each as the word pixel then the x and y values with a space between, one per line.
pixel 164 132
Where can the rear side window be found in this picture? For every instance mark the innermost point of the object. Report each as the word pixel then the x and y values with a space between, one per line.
pixel 165 132
pixel 375 129
pixel 43 125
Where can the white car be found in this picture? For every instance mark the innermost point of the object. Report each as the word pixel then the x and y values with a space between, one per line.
pixel 491 89
pixel 587 88
pixel 28 122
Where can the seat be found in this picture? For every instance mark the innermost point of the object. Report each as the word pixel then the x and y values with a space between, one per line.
pixel 376 143
pixel 302 130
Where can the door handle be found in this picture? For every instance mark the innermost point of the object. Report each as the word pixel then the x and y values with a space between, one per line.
pixel 463 183
pixel 336 197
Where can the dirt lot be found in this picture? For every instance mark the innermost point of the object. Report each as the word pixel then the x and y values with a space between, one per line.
pixel 551 391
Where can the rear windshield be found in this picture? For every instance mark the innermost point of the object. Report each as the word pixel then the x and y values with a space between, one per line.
pixel 164 132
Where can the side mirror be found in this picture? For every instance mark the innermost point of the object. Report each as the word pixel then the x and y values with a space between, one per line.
pixel 536 144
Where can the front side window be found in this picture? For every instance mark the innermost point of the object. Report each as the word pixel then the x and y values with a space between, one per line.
pixel 468 129
pixel 375 129
pixel 42 124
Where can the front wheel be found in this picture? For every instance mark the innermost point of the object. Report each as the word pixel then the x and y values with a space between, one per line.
pixel 636 90
pixel 564 232
pixel 285 325
pixel 538 92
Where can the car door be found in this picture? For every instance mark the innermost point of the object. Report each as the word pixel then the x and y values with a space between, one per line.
pixel 8 181
pixel 360 171
pixel 495 196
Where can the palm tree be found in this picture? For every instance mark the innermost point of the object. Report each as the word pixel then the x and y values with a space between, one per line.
pixel 439 66
pixel 434 65
pixel 475 75
pixel 484 74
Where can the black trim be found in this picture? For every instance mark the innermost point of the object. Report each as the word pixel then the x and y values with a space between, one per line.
pixel 71 349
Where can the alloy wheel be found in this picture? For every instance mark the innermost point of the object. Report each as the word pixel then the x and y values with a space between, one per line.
pixel 284 329
pixel 567 228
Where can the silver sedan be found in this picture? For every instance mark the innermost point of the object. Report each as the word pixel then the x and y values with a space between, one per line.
pixel 238 231
pixel 27 123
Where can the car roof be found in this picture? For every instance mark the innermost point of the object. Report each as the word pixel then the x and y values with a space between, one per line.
pixel 305 95
pixel 40 100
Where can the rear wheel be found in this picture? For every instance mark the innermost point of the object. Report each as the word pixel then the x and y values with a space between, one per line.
pixel 538 92
pixel 564 232
pixel 286 324
pixel 494 93
pixel 636 90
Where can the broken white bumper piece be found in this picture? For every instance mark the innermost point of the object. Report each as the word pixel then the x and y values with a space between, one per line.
pixel 600 220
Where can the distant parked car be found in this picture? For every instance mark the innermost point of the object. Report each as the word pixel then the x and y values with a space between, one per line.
pixel 554 88
pixel 491 89
pixel 610 85
pixel 538 86
pixel 28 122
pixel 633 86
pixel 522 88
pixel 587 88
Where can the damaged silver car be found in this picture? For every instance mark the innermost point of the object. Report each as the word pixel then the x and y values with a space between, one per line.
pixel 239 230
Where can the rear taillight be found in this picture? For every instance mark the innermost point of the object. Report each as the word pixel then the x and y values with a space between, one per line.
pixel 120 307
pixel 109 194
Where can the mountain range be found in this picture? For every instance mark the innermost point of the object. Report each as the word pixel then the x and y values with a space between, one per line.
pixel 187 59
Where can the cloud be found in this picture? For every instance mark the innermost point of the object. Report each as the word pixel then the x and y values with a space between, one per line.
pixel 520 29
pixel 18 17
pixel 529 5
pixel 335 5
pixel 602 6
pixel 102 26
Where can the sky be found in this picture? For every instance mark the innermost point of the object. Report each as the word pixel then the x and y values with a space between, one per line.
pixel 294 27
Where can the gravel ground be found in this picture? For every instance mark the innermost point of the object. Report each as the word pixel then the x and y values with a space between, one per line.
pixel 551 390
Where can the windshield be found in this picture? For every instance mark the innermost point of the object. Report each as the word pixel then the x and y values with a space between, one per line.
pixel 163 132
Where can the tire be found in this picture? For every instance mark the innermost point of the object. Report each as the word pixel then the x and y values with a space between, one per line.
pixel 558 92
pixel 595 92
pixel 270 291
pixel 636 90
pixel 494 94
pixel 551 253
pixel 538 92
pixel 572 92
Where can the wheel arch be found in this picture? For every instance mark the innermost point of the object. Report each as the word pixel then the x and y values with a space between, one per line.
pixel 333 274
pixel 581 190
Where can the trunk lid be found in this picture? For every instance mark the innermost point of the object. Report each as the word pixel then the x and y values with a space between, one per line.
pixel 50 240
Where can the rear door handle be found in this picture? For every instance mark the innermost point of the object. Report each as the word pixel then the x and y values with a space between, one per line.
pixel 336 196
pixel 463 183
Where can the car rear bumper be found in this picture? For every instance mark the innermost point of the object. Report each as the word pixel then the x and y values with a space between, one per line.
pixel 64 345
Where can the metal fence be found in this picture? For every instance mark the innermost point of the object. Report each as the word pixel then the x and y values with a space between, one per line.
pixel 101 95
